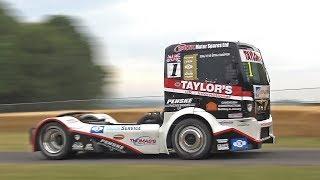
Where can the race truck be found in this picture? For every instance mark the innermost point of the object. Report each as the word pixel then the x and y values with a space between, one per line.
pixel 216 99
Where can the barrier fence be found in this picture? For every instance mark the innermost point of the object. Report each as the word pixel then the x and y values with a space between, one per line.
pixel 305 96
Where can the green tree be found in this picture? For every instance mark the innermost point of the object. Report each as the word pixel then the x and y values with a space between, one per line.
pixel 8 64
pixel 51 60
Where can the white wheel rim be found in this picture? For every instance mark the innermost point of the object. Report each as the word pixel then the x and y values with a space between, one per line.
pixel 53 140
pixel 191 139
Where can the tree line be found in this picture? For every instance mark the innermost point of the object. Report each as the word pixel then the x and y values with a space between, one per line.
pixel 47 61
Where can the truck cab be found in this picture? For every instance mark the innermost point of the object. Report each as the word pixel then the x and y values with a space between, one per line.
pixel 229 81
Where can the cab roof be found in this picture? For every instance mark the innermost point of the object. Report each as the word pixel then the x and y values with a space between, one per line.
pixel 241 44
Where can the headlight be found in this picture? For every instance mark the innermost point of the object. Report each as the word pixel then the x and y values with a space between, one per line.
pixel 249 106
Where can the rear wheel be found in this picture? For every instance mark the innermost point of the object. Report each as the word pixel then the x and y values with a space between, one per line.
pixel 54 141
pixel 191 139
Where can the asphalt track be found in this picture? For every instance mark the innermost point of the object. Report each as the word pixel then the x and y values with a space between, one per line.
pixel 259 157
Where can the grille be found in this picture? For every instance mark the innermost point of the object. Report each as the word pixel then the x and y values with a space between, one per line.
pixel 262 109
pixel 264 132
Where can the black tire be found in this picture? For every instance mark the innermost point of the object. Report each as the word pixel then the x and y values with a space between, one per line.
pixel 61 149
pixel 185 134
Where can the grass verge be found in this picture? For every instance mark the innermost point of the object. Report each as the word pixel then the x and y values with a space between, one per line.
pixel 12 142
pixel 295 142
pixel 155 172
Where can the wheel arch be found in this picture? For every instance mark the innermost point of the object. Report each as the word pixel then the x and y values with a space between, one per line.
pixel 35 135
pixel 181 118
pixel 178 116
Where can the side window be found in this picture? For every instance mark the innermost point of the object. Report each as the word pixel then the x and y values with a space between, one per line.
pixel 255 73
pixel 217 67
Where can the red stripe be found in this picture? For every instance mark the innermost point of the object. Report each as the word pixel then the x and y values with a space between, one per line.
pixel 176 84
pixel 108 139
pixel 238 132
pixel 247 93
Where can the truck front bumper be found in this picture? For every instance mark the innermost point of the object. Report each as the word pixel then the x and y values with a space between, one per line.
pixel 244 134
pixel 269 140
pixel 266 131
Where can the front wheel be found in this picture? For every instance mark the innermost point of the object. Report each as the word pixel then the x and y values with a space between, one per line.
pixel 192 139
pixel 54 141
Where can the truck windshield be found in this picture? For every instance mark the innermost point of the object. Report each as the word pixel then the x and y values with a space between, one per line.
pixel 255 73
pixel 253 67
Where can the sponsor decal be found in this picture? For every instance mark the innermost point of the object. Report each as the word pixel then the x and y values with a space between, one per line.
pixel 250 56
pixel 179 102
pixel 214 55
pixel 206 87
pixel 222 140
pixel 77 137
pixel 173 70
pixel 242 124
pixel 131 128
pixel 266 124
pixel 188 47
pixel 112 128
pixel 261 105
pixel 72 120
pixel 226 122
pixel 223 147
pixel 118 136
pixel 261 92
pixel 173 58
pixel 222 144
pixel 213 46
pixel 190 67
pixel 211 106
pixel 249 107
pixel 177 84
pixel 235 115
pixel 184 47
pixel 88 147
pixel 229 106
pixel 144 140
pixel 77 146
pixel 111 145
pixel 97 129
pixel 239 144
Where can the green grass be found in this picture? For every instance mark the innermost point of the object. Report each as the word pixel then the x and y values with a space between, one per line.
pixel 20 142
pixel 155 172
pixel 14 142
pixel 295 142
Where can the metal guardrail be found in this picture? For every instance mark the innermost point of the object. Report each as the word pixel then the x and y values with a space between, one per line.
pixel 80 104
pixel 281 96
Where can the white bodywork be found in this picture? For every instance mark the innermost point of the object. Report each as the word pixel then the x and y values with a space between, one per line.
pixel 151 138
